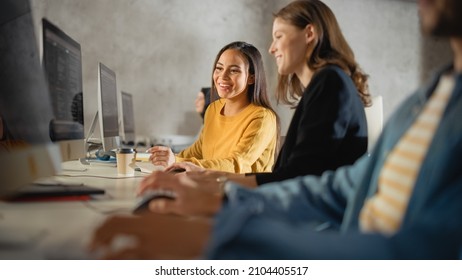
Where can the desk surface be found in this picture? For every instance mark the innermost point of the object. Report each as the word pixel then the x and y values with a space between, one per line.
pixel 61 230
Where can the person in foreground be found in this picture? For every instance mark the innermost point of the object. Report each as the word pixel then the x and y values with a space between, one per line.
pixel 241 129
pixel 404 201
pixel 317 73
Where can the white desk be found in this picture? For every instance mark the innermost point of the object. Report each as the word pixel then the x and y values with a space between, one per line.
pixel 57 230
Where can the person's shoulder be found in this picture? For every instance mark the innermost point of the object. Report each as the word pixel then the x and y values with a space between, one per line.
pixel 334 78
pixel 331 71
pixel 335 81
pixel 260 111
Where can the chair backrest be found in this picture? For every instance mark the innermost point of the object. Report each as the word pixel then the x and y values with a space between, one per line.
pixel 374 117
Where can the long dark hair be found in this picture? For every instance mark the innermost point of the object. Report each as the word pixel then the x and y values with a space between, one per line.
pixel 257 92
pixel 331 48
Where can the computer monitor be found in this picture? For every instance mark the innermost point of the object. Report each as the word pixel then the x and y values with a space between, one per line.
pixel 26 152
pixel 128 118
pixel 107 108
pixel 62 61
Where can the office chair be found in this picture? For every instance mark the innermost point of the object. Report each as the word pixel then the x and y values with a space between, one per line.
pixel 374 117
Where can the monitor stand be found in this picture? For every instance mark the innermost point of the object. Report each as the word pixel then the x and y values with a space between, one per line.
pixel 91 144
pixel 95 145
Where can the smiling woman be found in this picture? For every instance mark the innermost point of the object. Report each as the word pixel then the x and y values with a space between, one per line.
pixel 240 129
pixel 231 79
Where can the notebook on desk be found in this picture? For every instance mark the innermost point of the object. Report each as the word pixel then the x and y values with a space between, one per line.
pixel 55 192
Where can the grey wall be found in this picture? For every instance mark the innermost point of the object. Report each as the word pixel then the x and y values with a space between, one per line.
pixel 163 50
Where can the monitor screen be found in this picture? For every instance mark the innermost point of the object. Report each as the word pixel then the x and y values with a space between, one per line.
pixel 26 152
pixel 109 112
pixel 128 118
pixel 62 61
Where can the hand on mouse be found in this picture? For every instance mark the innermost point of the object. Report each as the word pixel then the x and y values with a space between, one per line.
pixel 161 155
pixel 186 166
pixel 200 197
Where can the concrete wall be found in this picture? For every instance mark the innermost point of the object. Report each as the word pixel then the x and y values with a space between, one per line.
pixel 163 50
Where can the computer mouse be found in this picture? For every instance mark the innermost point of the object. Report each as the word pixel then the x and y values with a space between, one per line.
pixel 143 204
pixel 177 170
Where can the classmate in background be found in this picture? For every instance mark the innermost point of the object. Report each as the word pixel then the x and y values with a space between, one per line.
pixel 316 68
pixel 374 212
pixel 202 101
pixel 201 104
pixel 241 129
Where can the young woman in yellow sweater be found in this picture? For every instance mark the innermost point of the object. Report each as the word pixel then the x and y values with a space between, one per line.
pixel 241 129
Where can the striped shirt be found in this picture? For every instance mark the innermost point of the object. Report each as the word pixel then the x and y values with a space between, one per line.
pixel 384 211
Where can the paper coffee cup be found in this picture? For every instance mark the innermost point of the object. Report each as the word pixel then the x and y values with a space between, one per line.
pixel 125 157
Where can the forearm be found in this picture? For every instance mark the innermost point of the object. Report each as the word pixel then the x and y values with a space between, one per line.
pixel 193 151
pixel 232 165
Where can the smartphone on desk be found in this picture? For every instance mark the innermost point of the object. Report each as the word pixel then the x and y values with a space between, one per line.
pixel 142 157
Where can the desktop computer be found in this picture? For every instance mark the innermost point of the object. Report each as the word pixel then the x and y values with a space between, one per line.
pixel 108 108
pixel 107 115
pixel 62 62
pixel 128 119
pixel 26 153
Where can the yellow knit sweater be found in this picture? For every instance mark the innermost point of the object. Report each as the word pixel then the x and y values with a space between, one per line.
pixel 242 143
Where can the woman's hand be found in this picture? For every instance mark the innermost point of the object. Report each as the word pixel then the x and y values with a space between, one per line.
pixel 161 155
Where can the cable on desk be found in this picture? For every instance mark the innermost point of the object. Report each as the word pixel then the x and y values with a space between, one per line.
pixel 98 176
pixel 75 170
